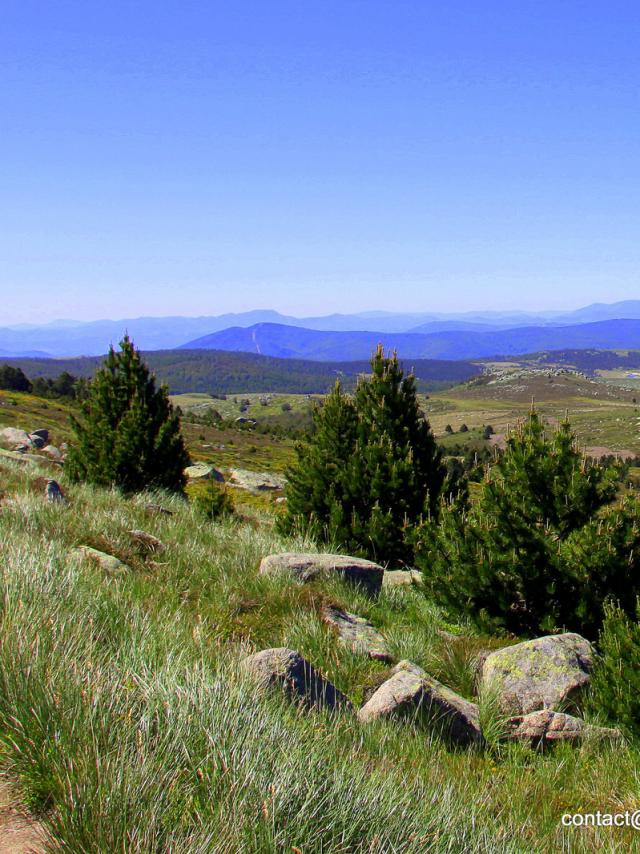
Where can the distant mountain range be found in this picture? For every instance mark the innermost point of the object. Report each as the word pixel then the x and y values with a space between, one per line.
pixel 450 335
pixel 271 339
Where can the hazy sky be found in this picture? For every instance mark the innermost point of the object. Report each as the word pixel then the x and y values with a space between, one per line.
pixel 201 157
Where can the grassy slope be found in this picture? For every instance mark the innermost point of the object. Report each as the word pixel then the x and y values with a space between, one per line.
pixel 123 716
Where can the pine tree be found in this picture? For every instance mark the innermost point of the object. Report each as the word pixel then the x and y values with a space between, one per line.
pixel 317 494
pixel 371 468
pixel 129 436
pixel 514 555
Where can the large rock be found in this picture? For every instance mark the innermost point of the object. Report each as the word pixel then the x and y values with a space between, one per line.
pixel 356 633
pixel 545 727
pixel 307 567
pixel 256 481
pixel 411 691
pixel 290 672
pixel 14 436
pixel 203 471
pixel 110 564
pixel 539 674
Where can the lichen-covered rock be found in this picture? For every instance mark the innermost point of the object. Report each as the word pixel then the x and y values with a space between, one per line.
pixel 110 564
pixel 407 666
pixel 539 674
pixel 356 633
pixel 402 578
pixel 203 471
pixel 308 567
pixel 287 670
pixel 411 691
pixel 545 727
pixel 147 541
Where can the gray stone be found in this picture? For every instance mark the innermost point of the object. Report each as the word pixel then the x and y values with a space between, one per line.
pixel 545 727
pixel 203 471
pixel 409 692
pixel 256 481
pixel 147 541
pixel 287 670
pixel 356 633
pixel 110 564
pixel 308 567
pixel 52 452
pixel 401 578
pixel 14 436
pixel 539 674
pixel 406 666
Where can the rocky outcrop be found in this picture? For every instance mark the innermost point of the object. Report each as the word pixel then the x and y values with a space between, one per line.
pixel 203 471
pixel 308 567
pixel 110 564
pixel 546 727
pixel 410 691
pixel 539 674
pixel 285 669
pixel 356 633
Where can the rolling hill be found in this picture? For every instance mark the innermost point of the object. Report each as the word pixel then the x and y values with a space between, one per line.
pixel 218 372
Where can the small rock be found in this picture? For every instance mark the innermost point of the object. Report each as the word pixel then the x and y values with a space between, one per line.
pixel 286 669
pixel 109 563
pixel 307 567
pixel 356 633
pixel 157 510
pixel 53 492
pixel 281 500
pixel 203 471
pixel 148 541
pixel 411 692
pixel 539 674
pixel 546 727
pixel 401 577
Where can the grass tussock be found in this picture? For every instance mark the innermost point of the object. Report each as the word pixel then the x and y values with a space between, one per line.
pixel 128 726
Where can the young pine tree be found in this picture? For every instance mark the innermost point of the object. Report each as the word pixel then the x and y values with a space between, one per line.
pixel 129 436
pixel 371 468
pixel 514 557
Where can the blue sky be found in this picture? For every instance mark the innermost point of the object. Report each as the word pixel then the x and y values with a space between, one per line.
pixel 203 157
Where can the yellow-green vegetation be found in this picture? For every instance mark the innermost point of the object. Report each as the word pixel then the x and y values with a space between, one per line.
pixel 263 405
pixel 125 722
pixel 605 418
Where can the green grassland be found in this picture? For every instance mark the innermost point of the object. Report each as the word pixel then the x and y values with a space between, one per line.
pixel 127 725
